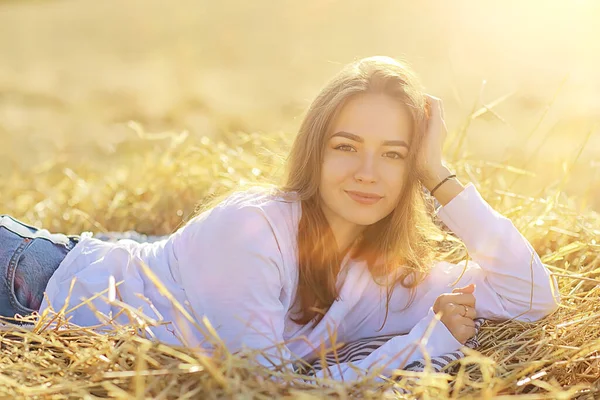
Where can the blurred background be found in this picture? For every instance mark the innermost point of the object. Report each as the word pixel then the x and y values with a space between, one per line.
pixel 74 73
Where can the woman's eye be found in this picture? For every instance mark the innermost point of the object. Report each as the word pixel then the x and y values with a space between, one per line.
pixel 394 155
pixel 345 147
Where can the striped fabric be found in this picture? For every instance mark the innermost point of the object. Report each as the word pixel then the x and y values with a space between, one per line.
pixel 360 349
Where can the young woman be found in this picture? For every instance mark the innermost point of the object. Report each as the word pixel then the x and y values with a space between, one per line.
pixel 342 250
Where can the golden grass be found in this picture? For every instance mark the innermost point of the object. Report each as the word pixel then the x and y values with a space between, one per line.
pixel 66 163
pixel 152 183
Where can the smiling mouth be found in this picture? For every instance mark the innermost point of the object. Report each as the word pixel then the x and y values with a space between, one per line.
pixel 364 198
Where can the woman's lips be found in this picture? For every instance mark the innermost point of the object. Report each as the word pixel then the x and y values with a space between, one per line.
pixel 364 198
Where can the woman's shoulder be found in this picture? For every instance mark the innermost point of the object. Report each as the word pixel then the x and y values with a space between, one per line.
pixel 262 222
pixel 272 209
pixel 260 196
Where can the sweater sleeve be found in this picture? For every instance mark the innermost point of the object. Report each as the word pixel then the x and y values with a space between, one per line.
pixel 511 281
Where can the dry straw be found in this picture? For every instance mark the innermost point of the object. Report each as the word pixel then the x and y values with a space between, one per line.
pixel 153 183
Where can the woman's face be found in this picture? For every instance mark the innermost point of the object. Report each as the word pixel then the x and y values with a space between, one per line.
pixel 363 169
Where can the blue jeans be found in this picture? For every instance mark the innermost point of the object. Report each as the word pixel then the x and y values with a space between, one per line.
pixel 28 258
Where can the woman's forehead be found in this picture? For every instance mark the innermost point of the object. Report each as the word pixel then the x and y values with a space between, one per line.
pixel 374 116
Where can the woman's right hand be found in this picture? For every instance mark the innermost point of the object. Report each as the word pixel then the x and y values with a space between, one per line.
pixel 458 312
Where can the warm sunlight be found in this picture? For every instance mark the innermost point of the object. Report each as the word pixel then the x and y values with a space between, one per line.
pixel 300 199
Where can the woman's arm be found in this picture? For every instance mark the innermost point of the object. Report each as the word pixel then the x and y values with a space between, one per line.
pixel 510 279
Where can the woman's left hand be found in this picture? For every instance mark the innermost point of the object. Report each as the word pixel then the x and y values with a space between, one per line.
pixel 431 159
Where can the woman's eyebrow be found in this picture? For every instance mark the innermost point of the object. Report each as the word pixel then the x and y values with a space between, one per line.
pixel 359 139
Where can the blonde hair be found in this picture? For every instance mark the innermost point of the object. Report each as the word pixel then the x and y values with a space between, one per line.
pixel 399 246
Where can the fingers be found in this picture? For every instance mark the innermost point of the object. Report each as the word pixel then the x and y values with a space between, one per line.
pixel 468 322
pixel 463 295
pixel 466 330
pixel 435 105
pixel 462 328
pixel 471 313
pixel 470 288
pixel 463 311
pixel 457 298
pixel 432 99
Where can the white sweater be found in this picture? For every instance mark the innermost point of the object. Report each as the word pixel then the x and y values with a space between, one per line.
pixel 237 266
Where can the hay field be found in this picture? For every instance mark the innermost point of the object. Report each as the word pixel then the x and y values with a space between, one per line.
pixel 120 115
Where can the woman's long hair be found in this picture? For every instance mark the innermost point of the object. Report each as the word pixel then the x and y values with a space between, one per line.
pixel 397 248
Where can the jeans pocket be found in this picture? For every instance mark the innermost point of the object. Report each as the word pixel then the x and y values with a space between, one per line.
pixel 28 258
pixel 31 271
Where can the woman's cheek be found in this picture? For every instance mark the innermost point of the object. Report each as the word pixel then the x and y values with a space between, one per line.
pixel 339 165
pixel 390 171
pixel 394 176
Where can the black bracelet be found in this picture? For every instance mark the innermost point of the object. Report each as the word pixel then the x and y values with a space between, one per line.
pixel 441 183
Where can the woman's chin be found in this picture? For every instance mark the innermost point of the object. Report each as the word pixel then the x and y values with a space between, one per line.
pixel 364 219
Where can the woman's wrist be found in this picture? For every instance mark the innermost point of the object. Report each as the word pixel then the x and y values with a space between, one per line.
pixel 448 190
pixel 434 176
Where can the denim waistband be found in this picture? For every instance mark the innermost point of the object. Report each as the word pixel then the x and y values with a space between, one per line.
pixel 28 258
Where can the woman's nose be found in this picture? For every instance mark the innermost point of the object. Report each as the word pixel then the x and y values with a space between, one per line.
pixel 365 171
